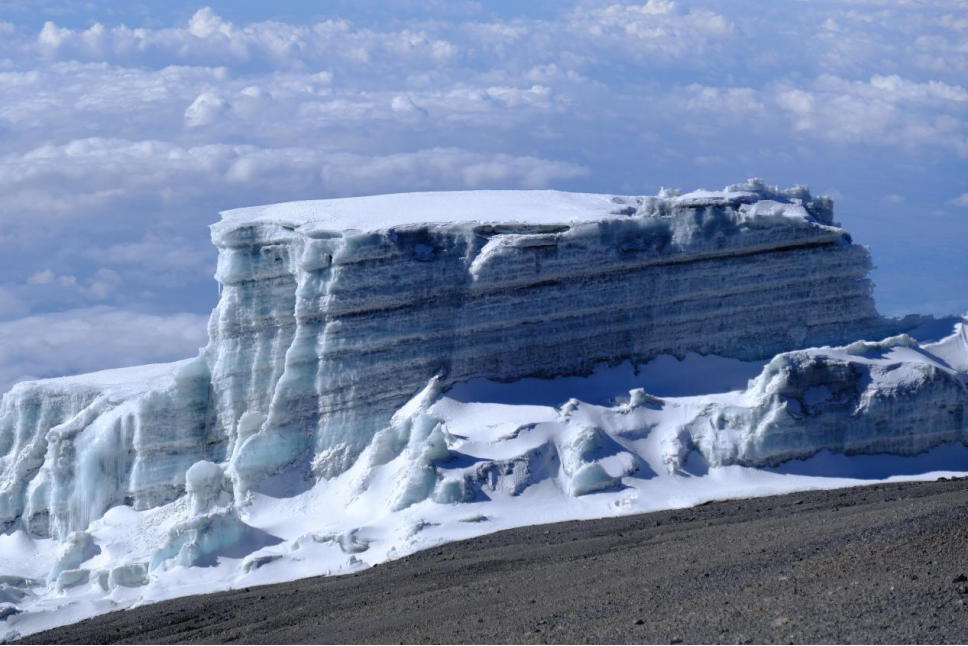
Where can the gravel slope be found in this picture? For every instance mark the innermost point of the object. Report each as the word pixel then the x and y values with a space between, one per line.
pixel 884 563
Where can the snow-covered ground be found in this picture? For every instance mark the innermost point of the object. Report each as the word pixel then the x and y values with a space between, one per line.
pixel 481 457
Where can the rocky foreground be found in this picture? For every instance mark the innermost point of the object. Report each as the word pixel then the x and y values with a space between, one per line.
pixel 884 563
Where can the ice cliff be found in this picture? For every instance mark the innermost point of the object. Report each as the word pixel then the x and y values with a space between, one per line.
pixel 74 447
pixel 345 328
pixel 335 313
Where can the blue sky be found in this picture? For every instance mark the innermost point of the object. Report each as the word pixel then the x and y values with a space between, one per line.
pixel 126 127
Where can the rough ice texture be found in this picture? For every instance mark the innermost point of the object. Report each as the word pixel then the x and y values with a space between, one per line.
pixel 895 397
pixel 71 448
pixel 334 313
pixel 889 397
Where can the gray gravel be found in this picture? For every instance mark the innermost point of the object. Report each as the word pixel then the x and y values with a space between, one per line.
pixel 884 563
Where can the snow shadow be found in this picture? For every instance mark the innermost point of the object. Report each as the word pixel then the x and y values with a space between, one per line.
pixel 664 376
pixel 933 329
pixel 252 540
pixel 947 457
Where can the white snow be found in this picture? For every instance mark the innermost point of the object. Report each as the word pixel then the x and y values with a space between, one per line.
pixel 117 382
pixel 379 212
pixel 542 207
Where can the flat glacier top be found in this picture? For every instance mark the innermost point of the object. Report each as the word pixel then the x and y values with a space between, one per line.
pixel 115 381
pixel 376 212
pixel 381 212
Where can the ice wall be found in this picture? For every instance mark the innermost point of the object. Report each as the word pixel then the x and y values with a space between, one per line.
pixel 324 330
pixel 74 447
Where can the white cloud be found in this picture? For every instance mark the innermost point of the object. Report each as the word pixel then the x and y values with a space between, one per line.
pixel 102 284
pixel 158 255
pixel 158 170
pixel 402 104
pixel 209 37
pixel 205 24
pixel 895 89
pixel 208 107
pixel 65 101
pixel 83 340
pixel 961 200
pixel 427 169
pixel 887 110
pixel 654 29
pixel 736 101
pixel 884 111
pixel 658 30
pixel 98 287
pixel 45 277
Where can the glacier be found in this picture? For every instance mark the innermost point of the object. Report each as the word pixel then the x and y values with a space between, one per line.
pixel 331 318
pixel 388 372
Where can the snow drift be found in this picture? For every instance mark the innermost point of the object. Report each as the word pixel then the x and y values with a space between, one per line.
pixel 324 422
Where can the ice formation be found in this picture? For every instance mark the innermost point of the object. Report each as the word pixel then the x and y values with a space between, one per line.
pixel 889 397
pixel 74 447
pixel 334 313
pixel 324 424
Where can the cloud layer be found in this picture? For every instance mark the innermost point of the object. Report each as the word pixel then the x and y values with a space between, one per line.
pixel 61 343
pixel 125 133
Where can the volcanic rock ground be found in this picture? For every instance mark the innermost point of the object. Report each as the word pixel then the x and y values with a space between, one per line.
pixel 883 563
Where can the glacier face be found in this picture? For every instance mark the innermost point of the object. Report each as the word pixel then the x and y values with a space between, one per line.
pixel 343 326
pixel 74 447
pixel 324 332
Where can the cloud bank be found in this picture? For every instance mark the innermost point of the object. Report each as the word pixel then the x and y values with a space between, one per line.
pixel 125 133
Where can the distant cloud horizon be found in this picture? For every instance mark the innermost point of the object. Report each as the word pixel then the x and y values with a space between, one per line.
pixel 127 127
